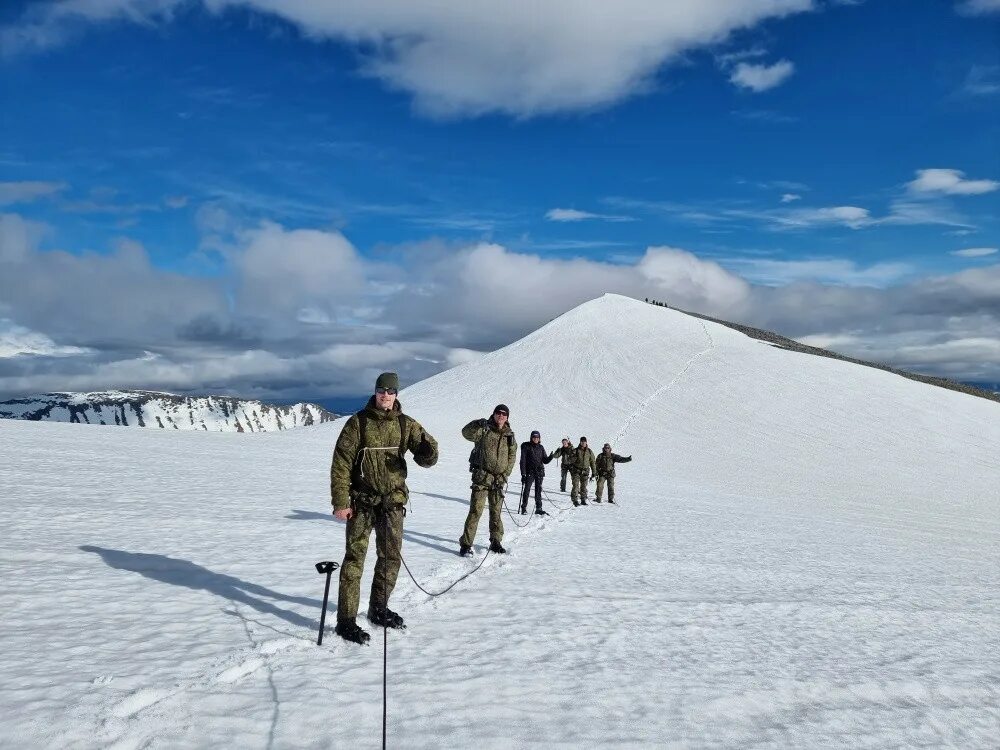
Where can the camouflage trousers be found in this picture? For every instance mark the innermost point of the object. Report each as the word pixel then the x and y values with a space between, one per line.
pixel 601 481
pixel 562 481
pixel 579 491
pixel 388 527
pixel 481 494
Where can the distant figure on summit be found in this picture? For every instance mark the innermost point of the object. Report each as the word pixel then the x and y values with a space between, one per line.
pixel 491 463
pixel 368 486
pixel 606 461
pixel 533 460
pixel 582 468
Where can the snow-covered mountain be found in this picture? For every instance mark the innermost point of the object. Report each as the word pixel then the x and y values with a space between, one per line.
pixel 806 554
pixel 165 410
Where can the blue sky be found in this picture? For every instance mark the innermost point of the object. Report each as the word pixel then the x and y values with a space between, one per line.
pixel 845 153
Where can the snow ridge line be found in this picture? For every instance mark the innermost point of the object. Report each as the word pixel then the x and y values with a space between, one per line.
pixel 623 431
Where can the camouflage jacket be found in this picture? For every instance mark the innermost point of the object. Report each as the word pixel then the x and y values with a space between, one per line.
pixel 606 463
pixel 565 455
pixel 583 461
pixel 377 469
pixel 495 451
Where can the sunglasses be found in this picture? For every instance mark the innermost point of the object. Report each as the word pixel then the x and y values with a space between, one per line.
pixel 383 391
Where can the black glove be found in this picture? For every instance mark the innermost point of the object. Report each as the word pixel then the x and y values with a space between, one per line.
pixel 424 450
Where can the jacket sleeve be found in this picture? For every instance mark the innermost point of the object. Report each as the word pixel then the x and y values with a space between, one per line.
pixel 423 447
pixel 547 456
pixel 343 463
pixel 511 453
pixel 524 461
pixel 474 430
pixel 593 461
pixel 620 459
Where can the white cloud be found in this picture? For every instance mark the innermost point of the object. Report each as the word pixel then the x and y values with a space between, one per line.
pixel 848 216
pixel 522 59
pixel 18 237
pixel 571 214
pixel 293 270
pixel 979 7
pixel 18 341
pixel 789 197
pixel 950 182
pixel 300 312
pixel 982 80
pixel 759 78
pixel 836 271
pixel 26 192
pixel 976 252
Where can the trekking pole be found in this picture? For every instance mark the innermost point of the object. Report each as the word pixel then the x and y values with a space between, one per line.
pixel 325 567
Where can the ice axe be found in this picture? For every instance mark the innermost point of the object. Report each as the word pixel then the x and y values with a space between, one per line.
pixel 326 567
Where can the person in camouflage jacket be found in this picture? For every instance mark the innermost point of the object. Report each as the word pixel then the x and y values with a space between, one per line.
pixel 491 462
pixel 565 453
pixel 606 461
pixel 582 468
pixel 368 490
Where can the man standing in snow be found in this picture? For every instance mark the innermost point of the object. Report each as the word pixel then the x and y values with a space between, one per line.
pixel 583 466
pixel 606 472
pixel 368 487
pixel 533 460
pixel 565 455
pixel 491 462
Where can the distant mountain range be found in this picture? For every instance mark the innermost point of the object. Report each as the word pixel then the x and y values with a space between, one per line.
pixel 165 410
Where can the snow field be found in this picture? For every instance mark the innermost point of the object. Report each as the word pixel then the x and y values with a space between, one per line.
pixel 807 554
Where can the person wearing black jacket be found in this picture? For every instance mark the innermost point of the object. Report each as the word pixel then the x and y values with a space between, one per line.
pixel 533 460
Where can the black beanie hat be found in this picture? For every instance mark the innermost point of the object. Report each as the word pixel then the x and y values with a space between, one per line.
pixel 536 433
pixel 502 409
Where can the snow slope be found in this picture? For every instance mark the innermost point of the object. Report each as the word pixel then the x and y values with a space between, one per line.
pixel 165 410
pixel 807 554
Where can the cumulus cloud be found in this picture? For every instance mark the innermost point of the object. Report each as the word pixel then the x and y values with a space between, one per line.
pixel 26 192
pixel 759 78
pixel 949 182
pixel 300 313
pixel 522 59
pixel 789 197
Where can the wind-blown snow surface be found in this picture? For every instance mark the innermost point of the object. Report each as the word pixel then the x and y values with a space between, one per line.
pixel 807 554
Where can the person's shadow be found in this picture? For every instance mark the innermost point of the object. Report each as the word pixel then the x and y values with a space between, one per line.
pixel 184 573
pixel 419 537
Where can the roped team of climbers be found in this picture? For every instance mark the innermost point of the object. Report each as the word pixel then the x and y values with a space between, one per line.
pixel 369 492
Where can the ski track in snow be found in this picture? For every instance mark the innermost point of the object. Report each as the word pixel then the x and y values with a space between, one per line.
pixel 743 602
pixel 660 391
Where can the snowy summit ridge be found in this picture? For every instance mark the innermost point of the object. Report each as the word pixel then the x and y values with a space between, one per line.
pixel 165 410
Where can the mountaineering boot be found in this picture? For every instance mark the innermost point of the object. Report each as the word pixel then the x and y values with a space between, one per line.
pixel 383 617
pixel 612 501
pixel 583 502
pixel 524 509
pixel 540 512
pixel 597 499
pixel 351 631
pixel 465 550
pixel 496 547
pixel 575 504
